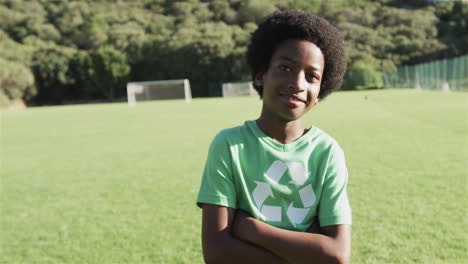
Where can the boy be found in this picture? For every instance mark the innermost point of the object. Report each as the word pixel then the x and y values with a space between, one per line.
pixel 272 190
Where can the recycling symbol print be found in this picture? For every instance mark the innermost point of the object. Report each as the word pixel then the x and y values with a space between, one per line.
pixel 274 174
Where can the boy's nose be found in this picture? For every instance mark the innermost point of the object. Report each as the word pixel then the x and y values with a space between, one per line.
pixel 298 82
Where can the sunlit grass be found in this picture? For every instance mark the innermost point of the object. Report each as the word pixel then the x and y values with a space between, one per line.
pixel 112 184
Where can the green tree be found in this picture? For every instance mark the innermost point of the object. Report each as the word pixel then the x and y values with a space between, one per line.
pixel 385 37
pixel 91 34
pixel 191 12
pixel 126 37
pixel 108 72
pixel 255 10
pixel 15 51
pixel 413 32
pixel 362 76
pixel 81 71
pixel 81 47
pixel 50 68
pixel 222 11
pixel 71 15
pixel 453 26
pixel 99 74
pixel 16 82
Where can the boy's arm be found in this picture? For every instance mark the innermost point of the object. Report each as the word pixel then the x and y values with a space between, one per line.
pixel 219 246
pixel 333 245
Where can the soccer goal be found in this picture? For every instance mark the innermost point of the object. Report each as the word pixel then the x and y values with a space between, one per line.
pixel 238 89
pixel 158 90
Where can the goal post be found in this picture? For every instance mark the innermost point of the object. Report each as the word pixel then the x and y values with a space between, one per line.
pixel 238 89
pixel 158 90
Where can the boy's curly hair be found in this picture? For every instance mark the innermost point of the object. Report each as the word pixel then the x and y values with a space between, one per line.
pixel 296 24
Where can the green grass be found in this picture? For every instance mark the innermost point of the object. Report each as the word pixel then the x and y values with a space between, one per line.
pixel 112 184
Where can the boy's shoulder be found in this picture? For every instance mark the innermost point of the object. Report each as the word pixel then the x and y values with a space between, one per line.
pixel 234 132
pixel 326 142
pixel 229 137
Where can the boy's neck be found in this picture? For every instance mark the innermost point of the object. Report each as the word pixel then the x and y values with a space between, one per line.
pixel 281 131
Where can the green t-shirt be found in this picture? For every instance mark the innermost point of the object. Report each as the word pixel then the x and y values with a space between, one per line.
pixel 285 185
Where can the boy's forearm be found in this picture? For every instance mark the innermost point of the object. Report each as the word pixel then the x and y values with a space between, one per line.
pixel 298 247
pixel 220 246
pixel 233 250
pixel 293 246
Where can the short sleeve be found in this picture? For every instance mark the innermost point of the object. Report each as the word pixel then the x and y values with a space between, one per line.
pixel 217 185
pixel 334 206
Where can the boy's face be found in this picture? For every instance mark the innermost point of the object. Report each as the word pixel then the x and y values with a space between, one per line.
pixel 291 84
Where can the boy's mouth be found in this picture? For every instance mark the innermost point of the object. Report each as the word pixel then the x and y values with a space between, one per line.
pixel 293 98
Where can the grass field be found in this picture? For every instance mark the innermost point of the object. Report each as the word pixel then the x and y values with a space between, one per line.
pixel 112 184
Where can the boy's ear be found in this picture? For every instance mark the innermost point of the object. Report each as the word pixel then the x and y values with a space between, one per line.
pixel 259 79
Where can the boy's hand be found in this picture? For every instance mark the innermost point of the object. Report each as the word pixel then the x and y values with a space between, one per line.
pixel 219 226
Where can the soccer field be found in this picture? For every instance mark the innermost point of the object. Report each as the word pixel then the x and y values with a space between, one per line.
pixel 112 184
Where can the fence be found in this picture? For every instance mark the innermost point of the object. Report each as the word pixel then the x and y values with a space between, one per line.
pixel 445 75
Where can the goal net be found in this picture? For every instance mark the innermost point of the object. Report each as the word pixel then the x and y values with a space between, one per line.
pixel 238 89
pixel 158 90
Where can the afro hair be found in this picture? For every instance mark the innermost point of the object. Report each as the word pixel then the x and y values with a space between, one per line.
pixel 296 24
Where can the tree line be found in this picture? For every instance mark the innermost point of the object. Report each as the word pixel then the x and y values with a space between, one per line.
pixel 59 51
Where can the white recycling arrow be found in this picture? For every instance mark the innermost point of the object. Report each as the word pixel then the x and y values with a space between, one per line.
pixel 307 196
pixel 297 215
pixel 263 190
pixel 298 173
pixel 271 213
pixel 276 170
pixel 261 193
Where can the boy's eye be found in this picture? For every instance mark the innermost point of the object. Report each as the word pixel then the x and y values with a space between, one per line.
pixel 284 68
pixel 312 77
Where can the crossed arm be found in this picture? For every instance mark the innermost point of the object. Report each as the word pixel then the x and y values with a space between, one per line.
pixel 232 236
